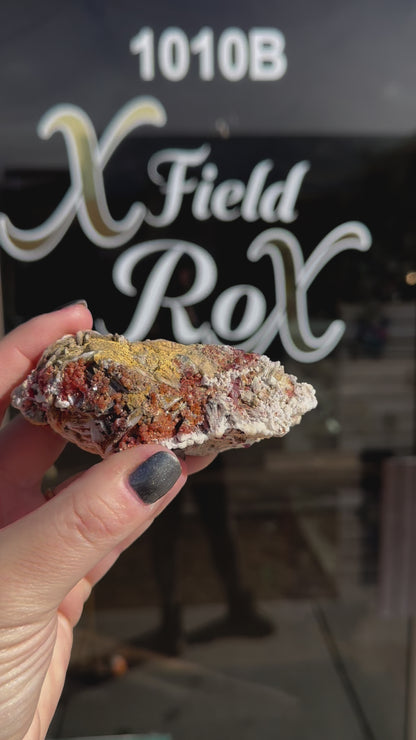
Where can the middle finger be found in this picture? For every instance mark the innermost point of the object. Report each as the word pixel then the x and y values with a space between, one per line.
pixel 27 451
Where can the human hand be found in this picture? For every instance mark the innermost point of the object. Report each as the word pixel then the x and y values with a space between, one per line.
pixel 52 553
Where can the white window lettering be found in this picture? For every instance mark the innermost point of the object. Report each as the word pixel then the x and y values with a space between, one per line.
pixel 173 54
pixel 278 200
pixel 233 54
pixel 258 54
pixel 143 45
pixel 203 193
pixel 224 197
pixel 255 331
pixel 153 296
pixel 267 58
pixel 176 185
pixel 87 158
pixel 269 204
pixel 225 305
pixel 294 181
pixel 232 198
pixel 202 45
pixel 255 187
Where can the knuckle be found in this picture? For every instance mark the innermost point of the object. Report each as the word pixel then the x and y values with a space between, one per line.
pixel 95 520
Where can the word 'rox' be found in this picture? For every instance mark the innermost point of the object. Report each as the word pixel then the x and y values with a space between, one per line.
pixel 225 201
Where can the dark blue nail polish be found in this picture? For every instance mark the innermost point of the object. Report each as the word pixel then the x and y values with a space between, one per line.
pixel 155 476
pixel 76 302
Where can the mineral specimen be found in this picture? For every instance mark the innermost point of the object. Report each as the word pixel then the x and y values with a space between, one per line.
pixel 107 394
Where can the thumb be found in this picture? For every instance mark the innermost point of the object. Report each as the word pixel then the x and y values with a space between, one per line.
pixel 51 549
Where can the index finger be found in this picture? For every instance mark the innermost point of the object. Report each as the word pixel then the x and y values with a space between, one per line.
pixel 22 347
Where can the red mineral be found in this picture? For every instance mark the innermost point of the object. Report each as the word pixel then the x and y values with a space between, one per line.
pixel 106 394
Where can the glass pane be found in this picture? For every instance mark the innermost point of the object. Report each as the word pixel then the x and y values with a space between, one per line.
pixel 241 176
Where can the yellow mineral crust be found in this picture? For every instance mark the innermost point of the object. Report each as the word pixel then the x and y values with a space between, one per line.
pixel 161 357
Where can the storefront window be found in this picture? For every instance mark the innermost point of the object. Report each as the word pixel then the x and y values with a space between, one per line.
pixel 240 176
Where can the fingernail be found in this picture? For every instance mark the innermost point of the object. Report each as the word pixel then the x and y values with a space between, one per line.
pixel 155 476
pixel 76 302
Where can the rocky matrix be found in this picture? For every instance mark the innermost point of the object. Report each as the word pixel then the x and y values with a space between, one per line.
pixel 106 394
